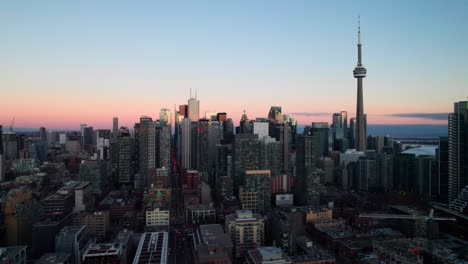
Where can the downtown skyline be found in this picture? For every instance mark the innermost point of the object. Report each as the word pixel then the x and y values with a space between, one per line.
pixel 129 61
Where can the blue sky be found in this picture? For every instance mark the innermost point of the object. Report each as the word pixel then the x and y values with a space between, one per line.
pixel 97 59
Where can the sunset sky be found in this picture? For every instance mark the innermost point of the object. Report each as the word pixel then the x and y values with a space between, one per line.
pixel 63 63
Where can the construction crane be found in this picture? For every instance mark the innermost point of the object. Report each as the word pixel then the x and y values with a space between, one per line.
pixel 429 217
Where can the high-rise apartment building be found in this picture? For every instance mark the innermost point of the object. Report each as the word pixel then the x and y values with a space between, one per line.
pixel 247 231
pixel 204 150
pixel 125 156
pixel 271 156
pixel 307 177
pixel 255 193
pixel 246 156
pixel 147 149
pixel 457 150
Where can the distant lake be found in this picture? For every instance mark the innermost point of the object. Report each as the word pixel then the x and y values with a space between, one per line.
pixel 403 131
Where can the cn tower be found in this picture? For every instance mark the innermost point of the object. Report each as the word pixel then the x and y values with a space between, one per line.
pixel 359 73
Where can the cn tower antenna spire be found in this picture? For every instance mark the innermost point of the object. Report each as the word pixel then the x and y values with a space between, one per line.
pixel 359 30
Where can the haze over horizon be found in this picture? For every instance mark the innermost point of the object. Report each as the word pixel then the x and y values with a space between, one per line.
pixel 66 63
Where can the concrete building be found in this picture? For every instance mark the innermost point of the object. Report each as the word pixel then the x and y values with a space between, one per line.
pixel 20 211
pixel 247 231
pixel 267 255
pixel 157 217
pixel 84 199
pixel 200 214
pixel 105 253
pixel 261 129
pixel 318 215
pixel 211 245
pixel 54 258
pixel 152 248
pixel 97 223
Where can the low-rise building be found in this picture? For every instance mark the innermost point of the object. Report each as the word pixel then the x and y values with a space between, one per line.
pixel 54 258
pixel 211 245
pixel 200 214
pixel 152 248
pixel 157 217
pixel 267 255
pixel 108 253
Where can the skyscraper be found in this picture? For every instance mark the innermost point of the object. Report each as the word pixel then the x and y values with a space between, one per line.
pixel 165 118
pixel 115 128
pixel 163 147
pixel 246 156
pixel 457 150
pixel 2 157
pixel 307 178
pixel 125 153
pixel 43 134
pixel 360 73
pixel 185 143
pixel 147 148
pixel 255 191
pixel 320 132
pixel 193 108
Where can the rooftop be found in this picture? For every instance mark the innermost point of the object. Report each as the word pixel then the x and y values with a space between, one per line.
pixel 152 248
pixel 268 255
pixel 107 249
pixel 424 150
pixel 54 258
pixel 213 234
